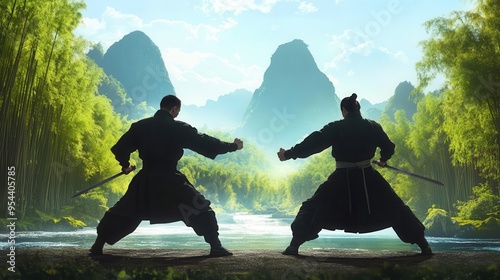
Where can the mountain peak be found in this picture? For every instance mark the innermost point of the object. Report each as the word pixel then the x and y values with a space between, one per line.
pixel 403 99
pixel 295 98
pixel 296 49
pixel 137 63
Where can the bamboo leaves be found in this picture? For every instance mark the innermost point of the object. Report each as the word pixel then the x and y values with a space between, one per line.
pixel 465 47
pixel 53 128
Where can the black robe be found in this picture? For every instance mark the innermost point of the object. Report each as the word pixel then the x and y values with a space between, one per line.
pixel 159 192
pixel 344 201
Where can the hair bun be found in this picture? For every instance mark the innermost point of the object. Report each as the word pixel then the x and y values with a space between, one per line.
pixel 350 103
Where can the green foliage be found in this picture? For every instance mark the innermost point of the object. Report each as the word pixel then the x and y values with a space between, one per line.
pixel 481 205
pixel 47 217
pixel 37 268
pixel 49 222
pixel 303 183
pixel 464 47
pixel 238 181
pixel 74 223
pixel 413 191
pixel 55 129
pixel 249 158
pixel 88 207
pixel 439 223
pixel 481 229
pixel 229 184
pixel 113 89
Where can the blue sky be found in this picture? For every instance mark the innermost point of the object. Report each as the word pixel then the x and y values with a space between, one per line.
pixel 213 47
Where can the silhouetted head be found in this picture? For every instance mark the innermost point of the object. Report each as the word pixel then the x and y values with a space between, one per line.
pixel 172 104
pixel 349 104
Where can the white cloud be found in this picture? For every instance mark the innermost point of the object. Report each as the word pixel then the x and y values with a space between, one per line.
pixel 237 6
pixel 193 32
pixel 91 26
pixel 217 74
pixel 228 24
pixel 349 42
pixel 398 55
pixel 191 61
pixel 127 19
pixel 113 25
pixel 307 8
pixel 182 60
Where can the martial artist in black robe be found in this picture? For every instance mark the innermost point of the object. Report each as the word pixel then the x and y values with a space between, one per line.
pixel 159 192
pixel 355 197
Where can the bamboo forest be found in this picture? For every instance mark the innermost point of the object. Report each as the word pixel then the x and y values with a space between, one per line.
pixel 57 128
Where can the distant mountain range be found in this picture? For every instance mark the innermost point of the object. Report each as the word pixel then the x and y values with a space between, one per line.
pixel 225 113
pixel 294 99
pixel 372 111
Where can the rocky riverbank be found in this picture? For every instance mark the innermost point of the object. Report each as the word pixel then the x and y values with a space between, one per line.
pixel 74 263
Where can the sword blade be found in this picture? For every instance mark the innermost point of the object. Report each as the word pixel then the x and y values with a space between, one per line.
pixel 97 185
pixel 413 174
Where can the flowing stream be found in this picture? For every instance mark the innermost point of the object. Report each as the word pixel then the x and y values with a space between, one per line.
pixel 244 231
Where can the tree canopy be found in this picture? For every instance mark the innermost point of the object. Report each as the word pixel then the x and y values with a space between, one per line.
pixel 465 48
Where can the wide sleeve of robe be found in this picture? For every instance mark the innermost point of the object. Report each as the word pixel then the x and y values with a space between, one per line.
pixel 204 144
pixel 384 143
pixel 126 145
pixel 312 144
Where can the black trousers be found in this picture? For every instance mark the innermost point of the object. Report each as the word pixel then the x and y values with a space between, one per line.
pixel 113 227
pixel 305 227
pixel 330 208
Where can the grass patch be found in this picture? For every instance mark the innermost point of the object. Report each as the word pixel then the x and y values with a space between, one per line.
pixel 38 269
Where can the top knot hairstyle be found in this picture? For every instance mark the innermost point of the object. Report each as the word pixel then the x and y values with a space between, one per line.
pixel 350 103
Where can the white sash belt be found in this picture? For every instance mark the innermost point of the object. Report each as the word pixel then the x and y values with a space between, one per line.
pixel 356 165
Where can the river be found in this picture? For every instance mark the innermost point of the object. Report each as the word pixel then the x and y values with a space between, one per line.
pixel 244 231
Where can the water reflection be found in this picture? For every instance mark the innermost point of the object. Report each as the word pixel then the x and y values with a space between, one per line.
pixel 243 231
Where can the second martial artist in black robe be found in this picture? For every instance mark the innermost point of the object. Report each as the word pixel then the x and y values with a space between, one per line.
pixel 355 197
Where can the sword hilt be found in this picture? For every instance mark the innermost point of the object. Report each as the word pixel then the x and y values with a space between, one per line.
pixel 377 161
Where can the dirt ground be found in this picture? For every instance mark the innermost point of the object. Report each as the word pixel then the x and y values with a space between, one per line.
pixel 244 261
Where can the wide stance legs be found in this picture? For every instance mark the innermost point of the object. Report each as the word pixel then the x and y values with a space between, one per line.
pixel 113 228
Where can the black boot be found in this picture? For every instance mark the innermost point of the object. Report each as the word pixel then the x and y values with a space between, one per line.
pixel 293 248
pixel 219 251
pixel 424 246
pixel 96 249
pixel 216 249
pixel 291 251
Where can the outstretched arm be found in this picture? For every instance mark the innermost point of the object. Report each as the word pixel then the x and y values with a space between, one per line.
pixel 312 144
pixel 207 145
